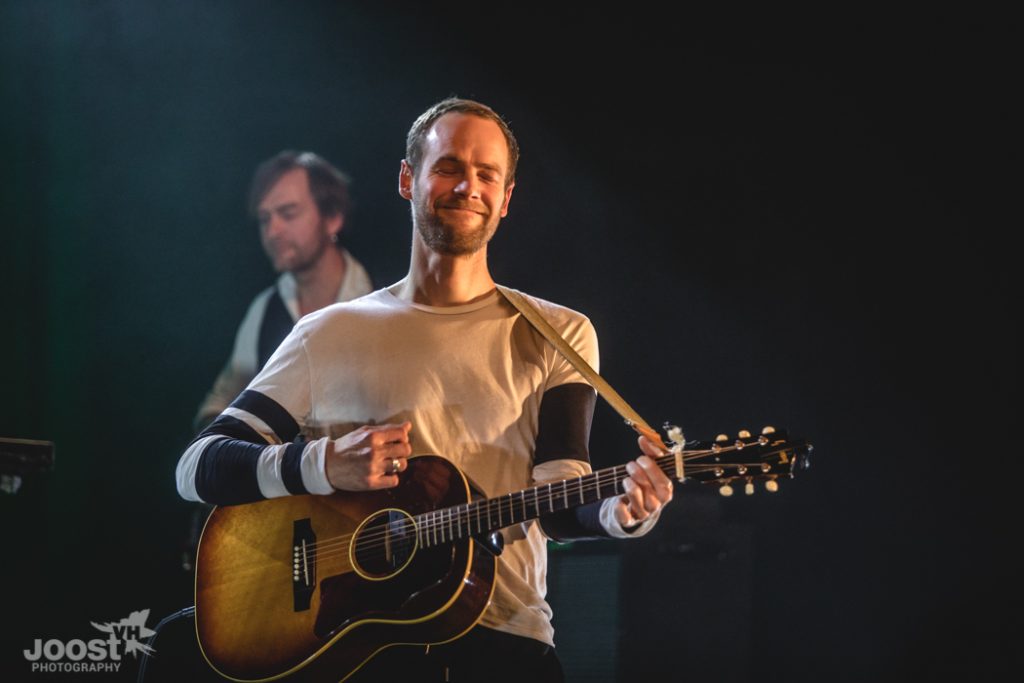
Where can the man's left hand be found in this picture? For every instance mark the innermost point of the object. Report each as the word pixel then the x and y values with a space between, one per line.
pixel 648 489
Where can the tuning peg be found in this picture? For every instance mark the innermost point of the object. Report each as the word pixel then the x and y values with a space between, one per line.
pixel 748 488
pixel 768 430
pixel 771 486
pixel 721 438
pixel 725 490
pixel 744 434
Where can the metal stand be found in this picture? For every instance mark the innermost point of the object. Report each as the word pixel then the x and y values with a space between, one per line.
pixel 189 611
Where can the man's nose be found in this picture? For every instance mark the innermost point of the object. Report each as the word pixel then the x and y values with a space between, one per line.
pixel 469 186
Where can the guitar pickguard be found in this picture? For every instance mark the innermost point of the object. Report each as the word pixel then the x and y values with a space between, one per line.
pixel 415 593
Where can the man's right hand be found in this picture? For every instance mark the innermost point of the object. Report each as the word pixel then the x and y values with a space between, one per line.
pixel 369 457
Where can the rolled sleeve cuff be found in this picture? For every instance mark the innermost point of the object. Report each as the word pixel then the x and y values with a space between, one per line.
pixel 615 530
pixel 314 467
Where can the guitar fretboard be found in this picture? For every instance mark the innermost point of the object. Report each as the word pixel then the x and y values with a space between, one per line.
pixel 747 458
pixel 484 516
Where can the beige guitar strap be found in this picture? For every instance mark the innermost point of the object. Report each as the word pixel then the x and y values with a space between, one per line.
pixel 606 391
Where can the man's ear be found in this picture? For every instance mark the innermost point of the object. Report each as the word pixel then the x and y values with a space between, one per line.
pixel 334 224
pixel 405 177
pixel 508 198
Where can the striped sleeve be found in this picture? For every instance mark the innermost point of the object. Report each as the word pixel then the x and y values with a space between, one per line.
pixel 254 449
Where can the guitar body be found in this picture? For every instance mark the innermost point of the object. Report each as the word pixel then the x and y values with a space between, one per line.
pixel 313 586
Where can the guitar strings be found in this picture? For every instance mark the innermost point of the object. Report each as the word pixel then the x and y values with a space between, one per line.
pixel 443 523
pixel 445 529
pixel 617 473
pixel 402 534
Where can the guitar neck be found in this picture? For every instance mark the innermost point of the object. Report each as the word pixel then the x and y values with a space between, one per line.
pixel 767 456
pixel 485 516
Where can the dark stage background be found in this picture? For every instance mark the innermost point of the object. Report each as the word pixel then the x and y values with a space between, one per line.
pixel 791 221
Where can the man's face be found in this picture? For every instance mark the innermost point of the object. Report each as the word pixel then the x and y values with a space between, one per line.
pixel 292 231
pixel 458 194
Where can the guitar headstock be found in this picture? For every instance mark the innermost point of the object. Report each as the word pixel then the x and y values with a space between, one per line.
pixel 743 459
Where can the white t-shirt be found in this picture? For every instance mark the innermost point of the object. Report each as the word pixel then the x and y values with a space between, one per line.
pixel 470 380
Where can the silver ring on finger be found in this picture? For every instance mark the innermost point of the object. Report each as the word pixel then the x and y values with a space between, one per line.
pixel 395 466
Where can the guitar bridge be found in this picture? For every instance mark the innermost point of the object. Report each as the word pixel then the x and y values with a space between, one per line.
pixel 303 564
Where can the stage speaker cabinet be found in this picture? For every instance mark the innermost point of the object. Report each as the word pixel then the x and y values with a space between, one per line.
pixel 675 604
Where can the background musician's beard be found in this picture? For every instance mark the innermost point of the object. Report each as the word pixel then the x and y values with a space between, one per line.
pixel 296 255
pixel 444 237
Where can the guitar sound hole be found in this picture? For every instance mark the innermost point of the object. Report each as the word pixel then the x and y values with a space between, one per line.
pixel 384 544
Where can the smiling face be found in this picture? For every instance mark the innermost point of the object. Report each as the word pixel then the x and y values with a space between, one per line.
pixel 458 193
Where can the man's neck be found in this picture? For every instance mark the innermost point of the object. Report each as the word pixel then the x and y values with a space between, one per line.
pixel 318 286
pixel 443 280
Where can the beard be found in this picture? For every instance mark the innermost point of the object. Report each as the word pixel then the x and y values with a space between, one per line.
pixel 295 256
pixel 446 237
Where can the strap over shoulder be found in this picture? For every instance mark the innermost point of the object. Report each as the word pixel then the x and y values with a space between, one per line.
pixel 535 318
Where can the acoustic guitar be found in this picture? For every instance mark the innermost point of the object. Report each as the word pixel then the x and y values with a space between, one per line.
pixel 311 587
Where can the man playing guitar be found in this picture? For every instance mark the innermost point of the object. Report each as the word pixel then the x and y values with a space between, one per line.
pixel 437 363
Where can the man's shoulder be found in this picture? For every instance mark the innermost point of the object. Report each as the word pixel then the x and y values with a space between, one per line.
pixel 554 313
pixel 372 305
